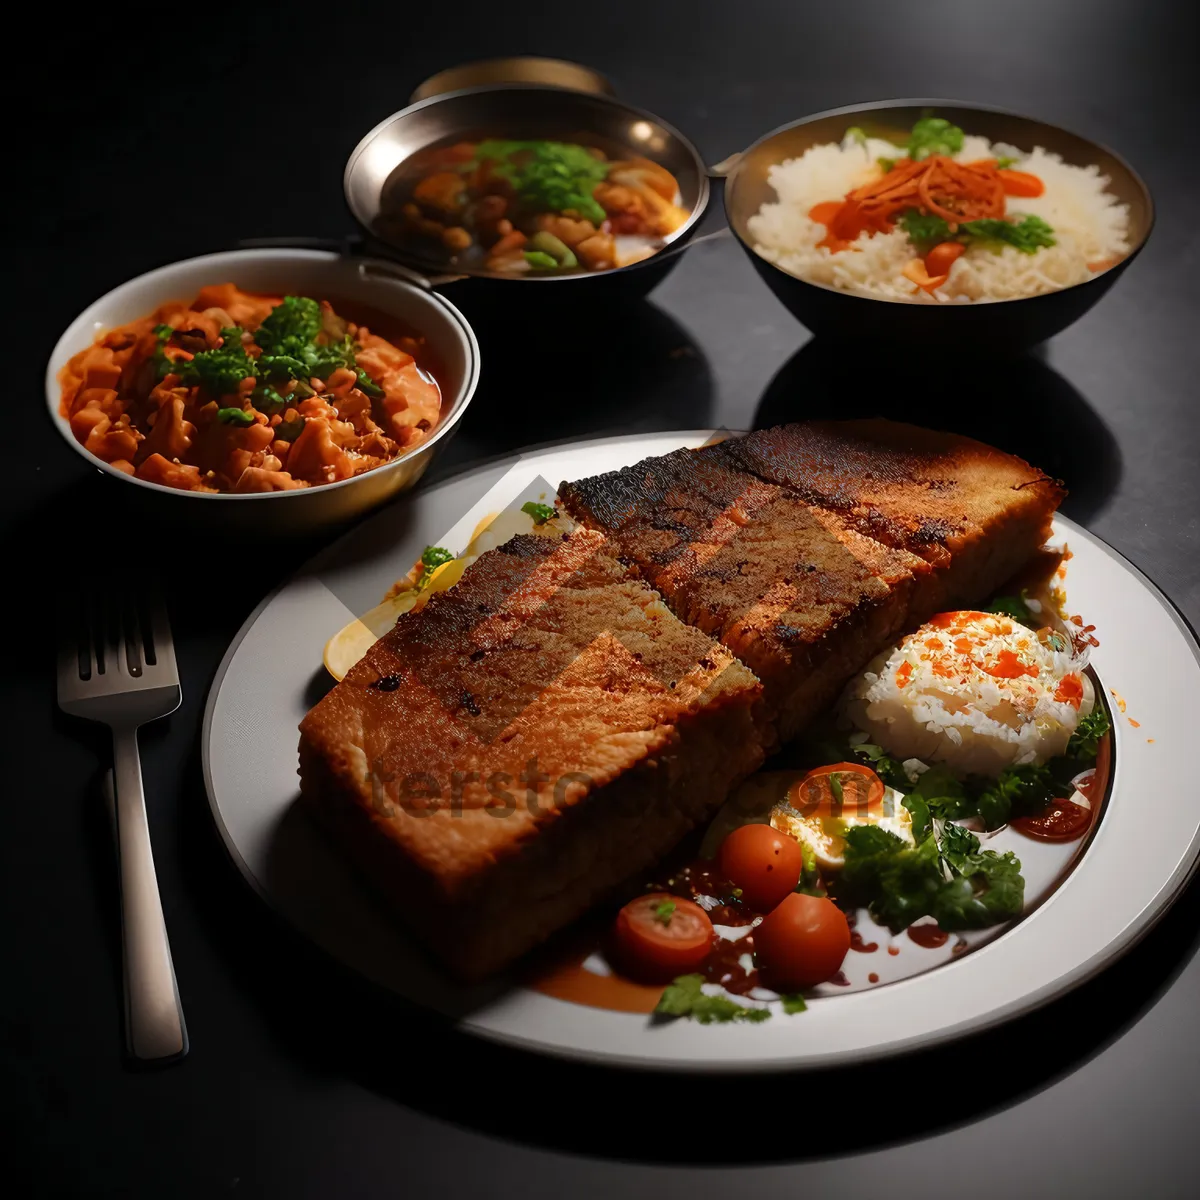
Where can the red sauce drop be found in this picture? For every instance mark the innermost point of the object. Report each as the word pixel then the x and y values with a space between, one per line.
pixel 856 943
pixel 1059 821
pixel 839 979
pixel 929 936
pixel 724 965
pixel 893 949
pixel 872 978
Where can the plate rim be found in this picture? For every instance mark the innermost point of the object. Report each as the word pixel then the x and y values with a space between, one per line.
pixel 1168 891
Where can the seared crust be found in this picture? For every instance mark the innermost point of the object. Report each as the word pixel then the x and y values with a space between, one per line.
pixel 807 548
pixel 544 730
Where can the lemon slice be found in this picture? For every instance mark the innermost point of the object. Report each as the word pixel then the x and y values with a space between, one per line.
pixel 352 641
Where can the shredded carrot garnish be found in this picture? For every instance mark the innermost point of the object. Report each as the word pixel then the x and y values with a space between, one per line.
pixel 954 191
pixel 1135 724
pixel 902 674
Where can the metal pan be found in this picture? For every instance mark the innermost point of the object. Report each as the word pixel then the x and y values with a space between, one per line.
pixel 524 111
pixel 1008 325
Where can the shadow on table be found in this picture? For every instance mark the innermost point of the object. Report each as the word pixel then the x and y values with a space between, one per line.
pixel 619 369
pixel 337 1026
pixel 1018 404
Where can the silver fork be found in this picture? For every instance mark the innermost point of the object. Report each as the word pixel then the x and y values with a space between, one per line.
pixel 116 665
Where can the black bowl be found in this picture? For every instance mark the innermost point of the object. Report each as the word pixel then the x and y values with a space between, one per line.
pixel 522 110
pixel 1007 325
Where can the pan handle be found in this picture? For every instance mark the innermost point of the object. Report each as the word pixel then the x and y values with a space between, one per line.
pixel 386 269
pixel 726 166
pixel 672 251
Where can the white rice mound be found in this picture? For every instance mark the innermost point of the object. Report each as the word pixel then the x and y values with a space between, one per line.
pixel 1090 226
pixel 943 695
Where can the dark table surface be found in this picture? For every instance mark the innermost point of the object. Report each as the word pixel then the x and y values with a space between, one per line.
pixel 178 135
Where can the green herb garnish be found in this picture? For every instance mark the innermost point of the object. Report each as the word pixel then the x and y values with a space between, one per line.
pixel 235 416
pixel 1031 234
pixel 290 328
pixel 858 134
pixel 664 911
pixel 292 347
pixel 541 513
pixel 289 431
pixel 1085 741
pixel 432 557
pixel 835 786
pixel 265 397
pixel 548 176
pixel 163 366
pixel 1016 607
pixel 924 229
pixel 887 164
pixel 793 1004
pixel 219 371
pixel 1004 162
pixel 955 882
pixel 887 768
pixel 934 135
pixel 686 998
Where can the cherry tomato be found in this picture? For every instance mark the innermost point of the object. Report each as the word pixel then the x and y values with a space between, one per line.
pixel 1020 183
pixel 942 257
pixel 801 943
pixel 659 936
pixel 817 794
pixel 763 862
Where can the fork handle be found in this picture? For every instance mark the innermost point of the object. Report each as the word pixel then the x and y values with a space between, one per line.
pixel 154 1027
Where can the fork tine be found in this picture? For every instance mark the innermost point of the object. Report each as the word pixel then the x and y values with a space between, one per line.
pixel 131 635
pixel 160 643
pixel 74 646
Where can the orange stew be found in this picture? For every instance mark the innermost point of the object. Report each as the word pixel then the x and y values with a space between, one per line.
pixel 321 400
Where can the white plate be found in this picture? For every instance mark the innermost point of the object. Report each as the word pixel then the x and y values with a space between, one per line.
pixel 1136 862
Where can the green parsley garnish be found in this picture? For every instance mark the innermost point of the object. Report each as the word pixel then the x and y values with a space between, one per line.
pixel 1004 162
pixel 886 163
pixel 219 371
pixel 541 513
pixel 432 557
pixel 858 134
pixel 235 416
pixel 1016 607
pixel 289 431
pixel 1028 235
pixel 686 998
pixel 934 135
pixel 1085 741
pixel 664 911
pixel 1032 233
pixel 955 882
pixel 548 176
pixel 924 229
pixel 835 786
pixel 793 1004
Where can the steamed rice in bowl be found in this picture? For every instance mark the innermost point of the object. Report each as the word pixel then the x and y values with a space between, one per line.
pixel 1087 226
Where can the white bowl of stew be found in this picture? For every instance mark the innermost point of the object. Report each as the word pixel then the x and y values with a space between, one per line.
pixel 367 293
